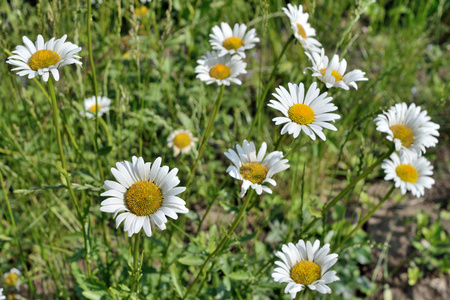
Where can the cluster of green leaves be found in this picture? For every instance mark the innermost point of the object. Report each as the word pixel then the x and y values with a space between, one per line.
pixel 146 66
pixel 432 245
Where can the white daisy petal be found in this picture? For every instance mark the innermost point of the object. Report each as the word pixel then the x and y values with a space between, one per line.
pixel 332 73
pixel 409 171
pixel 139 197
pixel 299 267
pixel 409 127
pixel 181 140
pixel 309 113
pixel 90 107
pixel 226 41
pixel 220 69
pixel 303 31
pixel 44 58
pixel 253 169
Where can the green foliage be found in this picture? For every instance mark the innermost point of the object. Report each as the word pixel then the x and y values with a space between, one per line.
pixel 432 247
pixel 146 65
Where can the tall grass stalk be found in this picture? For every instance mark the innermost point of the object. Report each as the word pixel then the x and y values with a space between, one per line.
pixel 65 173
pixel 224 240
pixel 94 83
pixel 206 134
pixel 347 189
pixel 262 96
pixel 364 220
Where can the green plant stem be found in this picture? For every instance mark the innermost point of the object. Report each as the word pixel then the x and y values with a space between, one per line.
pixel 262 96
pixel 210 204
pixel 135 277
pixel 225 239
pixel 206 135
pixel 278 142
pixel 347 189
pixel 301 294
pixel 365 219
pixel 65 172
pixel 94 83
pixel 16 234
pixel 105 127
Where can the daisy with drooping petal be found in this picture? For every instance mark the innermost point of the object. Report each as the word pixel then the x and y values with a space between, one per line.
pixel 333 73
pixel 305 265
pixel 12 278
pixel 253 168
pixel 143 193
pixel 236 41
pixel 90 108
pixel 181 140
pixel 43 58
pixel 303 31
pixel 310 113
pixel 409 171
pixel 220 69
pixel 408 127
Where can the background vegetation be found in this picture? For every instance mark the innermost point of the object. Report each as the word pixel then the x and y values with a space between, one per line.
pixel 145 63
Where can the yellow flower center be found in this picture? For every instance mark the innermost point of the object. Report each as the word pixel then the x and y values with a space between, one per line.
pixel 403 133
pixel 220 71
pixel 301 31
pixel 141 11
pixel 233 43
pixel 301 114
pixel 43 59
pixel 334 73
pixel 11 279
pixel 143 198
pixel 182 140
pixel 305 272
pixel 407 173
pixel 254 172
pixel 94 108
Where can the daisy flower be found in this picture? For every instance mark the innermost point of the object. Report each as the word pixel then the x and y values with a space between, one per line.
pixel 303 32
pixel 220 69
pixel 409 171
pixel 305 265
pixel 333 73
pixel 2 297
pixel 145 1
pixel 141 11
pixel 12 278
pixel 408 127
pixel 236 41
pixel 90 108
pixel 255 169
pixel 43 58
pixel 309 113
pixel 181 140
pixel 143 193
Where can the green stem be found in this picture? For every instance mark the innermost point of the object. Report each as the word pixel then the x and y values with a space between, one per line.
pixel 262 96
pixel 206 135
pixel 65 173
pixel 223 242
pixel 278 142
pixel 344 192
pixel 300 295
pixel 15 233
pixel 94 82
pixel 210 204
pixel 365 219
pixel 135 277
pixel 105 127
